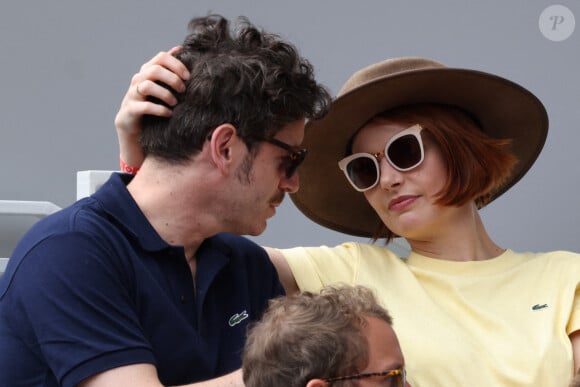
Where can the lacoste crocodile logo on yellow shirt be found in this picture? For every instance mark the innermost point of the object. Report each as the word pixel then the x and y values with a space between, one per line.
pixel 539 306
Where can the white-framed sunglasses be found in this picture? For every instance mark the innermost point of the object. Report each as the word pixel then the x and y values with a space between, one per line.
pixel 404 151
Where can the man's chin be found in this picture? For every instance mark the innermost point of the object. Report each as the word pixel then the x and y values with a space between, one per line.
pixel 257 231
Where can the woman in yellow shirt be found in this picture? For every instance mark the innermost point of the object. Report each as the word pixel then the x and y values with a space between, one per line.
pixel 413 149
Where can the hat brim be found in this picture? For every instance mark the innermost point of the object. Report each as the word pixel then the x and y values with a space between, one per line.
pixel 503 108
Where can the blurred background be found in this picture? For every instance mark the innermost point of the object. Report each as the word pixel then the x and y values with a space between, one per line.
pixel 66 64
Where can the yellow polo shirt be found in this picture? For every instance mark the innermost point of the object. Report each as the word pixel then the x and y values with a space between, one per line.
pixel 499 322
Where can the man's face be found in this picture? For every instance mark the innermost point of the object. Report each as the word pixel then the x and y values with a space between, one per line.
pixel 384 353
pixel 262 181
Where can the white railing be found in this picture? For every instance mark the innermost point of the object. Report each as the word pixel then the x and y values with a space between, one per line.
pixel 24 207
pixel 90 181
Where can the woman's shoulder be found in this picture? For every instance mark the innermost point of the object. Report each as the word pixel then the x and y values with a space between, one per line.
pixel 559 260
pixel 555 255
pixel 345 251
pixel 347 248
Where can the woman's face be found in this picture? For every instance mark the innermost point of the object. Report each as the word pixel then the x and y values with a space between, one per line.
pixel 405 201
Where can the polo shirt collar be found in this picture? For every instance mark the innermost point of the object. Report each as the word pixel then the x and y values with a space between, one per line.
pixel 118 203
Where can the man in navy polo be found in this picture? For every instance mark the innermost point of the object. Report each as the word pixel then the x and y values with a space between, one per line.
pixel 147 282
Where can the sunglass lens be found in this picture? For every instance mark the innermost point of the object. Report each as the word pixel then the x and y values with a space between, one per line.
pixel 294 162
pixel 397 380
pixel 291 169
pixel 405 152
pixel 362 172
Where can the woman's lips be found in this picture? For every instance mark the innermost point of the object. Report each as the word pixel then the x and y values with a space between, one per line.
pixel 402 202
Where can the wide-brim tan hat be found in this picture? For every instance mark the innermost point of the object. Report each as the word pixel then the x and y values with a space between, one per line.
pixel 503 108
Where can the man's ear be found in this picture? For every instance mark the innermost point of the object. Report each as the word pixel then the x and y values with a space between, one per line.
pixel 222 144
pixel 316 383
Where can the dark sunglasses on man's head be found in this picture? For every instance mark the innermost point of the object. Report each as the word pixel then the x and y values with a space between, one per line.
pixel 295 158
pixel 404 151
pixel 391 378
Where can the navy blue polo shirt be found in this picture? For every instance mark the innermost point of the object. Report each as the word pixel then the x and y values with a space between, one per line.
pixel 93 287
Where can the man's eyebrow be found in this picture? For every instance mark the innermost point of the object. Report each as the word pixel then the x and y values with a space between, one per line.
pixel 392 365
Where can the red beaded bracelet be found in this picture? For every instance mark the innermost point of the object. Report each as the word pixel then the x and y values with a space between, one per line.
pixel 127 168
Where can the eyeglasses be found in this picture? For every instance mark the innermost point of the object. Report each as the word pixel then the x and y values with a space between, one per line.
pixel 404 151
pixel 393 378
pixel 296 157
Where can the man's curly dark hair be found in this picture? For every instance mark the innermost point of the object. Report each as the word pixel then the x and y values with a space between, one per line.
pixel 247 77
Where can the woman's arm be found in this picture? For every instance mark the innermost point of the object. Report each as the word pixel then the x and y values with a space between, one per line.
pixel 165 68
pixel 283 269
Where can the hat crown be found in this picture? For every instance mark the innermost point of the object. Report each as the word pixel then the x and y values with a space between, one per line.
pixel 385 69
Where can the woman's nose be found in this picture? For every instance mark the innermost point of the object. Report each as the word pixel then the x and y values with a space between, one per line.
pixel 389 177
